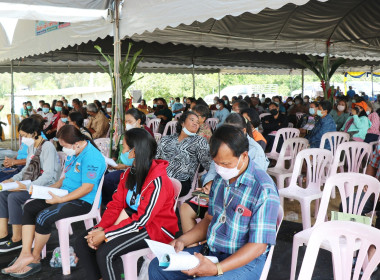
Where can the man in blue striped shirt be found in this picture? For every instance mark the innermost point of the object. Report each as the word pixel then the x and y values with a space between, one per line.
pixel 241 222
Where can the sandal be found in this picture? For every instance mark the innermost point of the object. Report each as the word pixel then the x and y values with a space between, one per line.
pixel 9 265
pixel 35 267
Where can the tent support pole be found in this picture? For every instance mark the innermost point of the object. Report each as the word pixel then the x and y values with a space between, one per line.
pixel 372 79
pixel 303 82
pixel 193 81
pixel 219 82
pixel 13 118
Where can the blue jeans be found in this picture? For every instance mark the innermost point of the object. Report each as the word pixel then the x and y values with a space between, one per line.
pixel 251 271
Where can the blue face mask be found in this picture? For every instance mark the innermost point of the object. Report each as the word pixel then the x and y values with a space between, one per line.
pixel 58 108
pixel 311 111
pixel 125 160
pixel 64 120
pixel 319 113
pixel 45 110
pixel 188 133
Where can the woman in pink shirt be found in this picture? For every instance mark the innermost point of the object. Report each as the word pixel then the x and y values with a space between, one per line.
pixel 373 132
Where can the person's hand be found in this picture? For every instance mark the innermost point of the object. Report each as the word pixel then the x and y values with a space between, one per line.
pixel 55 199
pixel 21 187
pixel 266 121
pixel 8 162
pixel 204 268
pixel 95 238
pixel 8 181
pixel 353 112
pixel 178 245
pixel 206 188
pixel 48 132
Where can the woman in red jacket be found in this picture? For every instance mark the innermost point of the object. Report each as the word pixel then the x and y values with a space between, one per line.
pixel 141 208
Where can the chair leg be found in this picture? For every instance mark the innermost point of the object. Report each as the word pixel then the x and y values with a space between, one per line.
pixel 293 268
pixel 43 253
pixel 316 209
pixel 63 233
pixel 305 212
pixel 130 267
pixel 89 223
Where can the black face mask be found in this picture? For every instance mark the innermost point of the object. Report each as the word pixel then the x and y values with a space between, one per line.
pixel 187 105
pixel 273 112
pixel 160 107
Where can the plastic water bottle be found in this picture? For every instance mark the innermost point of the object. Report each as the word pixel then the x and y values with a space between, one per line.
pixel 291 216
pixel 56 260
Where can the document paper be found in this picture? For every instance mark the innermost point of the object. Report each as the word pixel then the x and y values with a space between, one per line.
pixel 13 185
pixel 40 192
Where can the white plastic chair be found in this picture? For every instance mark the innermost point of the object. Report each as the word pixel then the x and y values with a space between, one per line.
pixel 212 123
pixel 374 145
pixel 345 239
pixel 286 133
pixel 130 259
pixel 299 115
pixel 170 126
pixel 264 273
pixel 334 139
pixel 289 151
pixel 177 116
pixel 153 124
pixel 316 161
pixel 62 159
pixel 104 146
pixel 194 185
pixel 346 184
pixel 213 112
pixel 263 115
pixel 157 136
pixel 64 225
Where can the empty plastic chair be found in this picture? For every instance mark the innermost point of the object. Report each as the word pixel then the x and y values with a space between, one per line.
pixel 153 124
pixel 345 239
pixel 286 133
pixel 374 145
pixel 170 127
pixel 130 259
pixel 346 184
pixel 334 139
pixel 289 151
pixel 157 136
pixel 316 161
pixel 212 123
pixel 104 146
pixel 263 115
pixel 177 116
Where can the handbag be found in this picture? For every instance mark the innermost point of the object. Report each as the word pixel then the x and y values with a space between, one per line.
pixel 33 171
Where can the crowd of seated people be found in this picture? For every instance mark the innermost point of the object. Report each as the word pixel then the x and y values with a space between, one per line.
pixel 137 193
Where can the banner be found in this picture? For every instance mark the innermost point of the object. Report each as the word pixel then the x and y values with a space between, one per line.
pixel 43 27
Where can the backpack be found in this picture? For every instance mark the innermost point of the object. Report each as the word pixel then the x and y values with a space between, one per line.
pixel 33 171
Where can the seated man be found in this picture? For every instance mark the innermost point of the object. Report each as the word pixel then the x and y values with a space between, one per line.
pixel 240 225
pixel 325 124
pixel 98 124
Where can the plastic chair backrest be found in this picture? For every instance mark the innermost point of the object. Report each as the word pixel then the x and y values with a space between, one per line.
pixel 348 185
pixel 289 150
pixel 157 136
pixel 194 185
pixel 316 162
pixel 213 112
pixel 103 145
pixel 263 115
pixel 153 124
pixel 264 273
pixel 374 145
pixel 177 190
pixel 299 115
pixel 286 133
pixel 170 125
pixel 344 238
pixel 178 116
pixel 355 155
pixel 212 122
pixel 334 139
pixel 62 159
pixel 291 125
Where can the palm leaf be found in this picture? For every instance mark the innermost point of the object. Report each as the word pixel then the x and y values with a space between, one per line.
pixel 338 62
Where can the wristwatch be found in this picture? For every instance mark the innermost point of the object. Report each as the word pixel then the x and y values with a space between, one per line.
pixel 219 267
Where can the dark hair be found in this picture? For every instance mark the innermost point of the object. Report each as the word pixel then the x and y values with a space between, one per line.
pixel 326 105
pixel 230 135
pixel 275 104
pixel 76 101
pixel 137 115
pixel 143 100
pixel 31 125
pixel 242 104
pixel 41 101
pixel 47 104
pixel 70 134
pixel 40 119
pixel 65 111
pixel 60 101
pixel 200 101
pixel 145 151
pixel 253 116
pixel 77 118
pixel 99 105
pixel 178 99
pixel 221 101
pixel 182 119
pixel 240 122
pixel 203 110
pixel 163 101
pixel 27 102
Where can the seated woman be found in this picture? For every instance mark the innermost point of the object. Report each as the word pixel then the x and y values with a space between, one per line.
pixel 84 168
pixel 11 202
pixel 133 119
pixel 272 123
pixel 252 116
pixel 76 119
pixel 358 124
pixel 308 121
pixel 373 132
pixel 14 165
pixel 240 225
pixel 184 151
pixel 141 208
pixel 340 114
pixel 203 112
pixel 63 120
pixel 163 113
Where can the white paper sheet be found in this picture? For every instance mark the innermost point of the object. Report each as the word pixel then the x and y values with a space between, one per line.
pixel 41 192
pixel 110 161
pixel 13 185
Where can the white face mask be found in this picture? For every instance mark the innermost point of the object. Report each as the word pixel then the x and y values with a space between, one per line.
pixel 215 101
pixel 68 152
pixel 187 132
pixel 227 173
pixel 368 113
pixel 306 100
pixel 218 106
pixel 27 141
pixel 262 99
pixel 109 110
pixel 129 126
pixel 341 108
pixel 290 102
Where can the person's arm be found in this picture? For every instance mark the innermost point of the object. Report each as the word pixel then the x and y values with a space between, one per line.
pixel 83 190
pixel 360 122
pixel 9 162
pixel 270 124
pixel 210 174
pixel 203 153
pixel 58 184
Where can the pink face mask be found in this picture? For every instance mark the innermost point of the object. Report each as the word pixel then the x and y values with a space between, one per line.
pixel 227 173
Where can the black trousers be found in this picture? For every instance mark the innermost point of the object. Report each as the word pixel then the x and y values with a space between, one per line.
pixel 106 262
pixel 186 187
pixel 38 212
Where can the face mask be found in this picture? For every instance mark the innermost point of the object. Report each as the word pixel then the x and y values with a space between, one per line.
pixel 226 102
pixel 341 108
pixel 184 100
pixel 109 110
pixel 103 107
pixel 262 100
pixel 353 101
pixel 218 106
pixel 64 120
pixel 233 112
pixel 305 100
pixel 58 108
pixel 160 107
pixel 125 160
pixel 297 102
pixel 29 107
pixel 319 113
pixel 188 133
pixel 154 105
pixel 311 111
pixel 27 141
pixel 368 112
pixel 290 102
pixel 273 112
pixel 215 101
pixel 227 173
pixel 277 102
pixel 68 152
pixel 45 110
pixel 84 106
pixel 129 126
